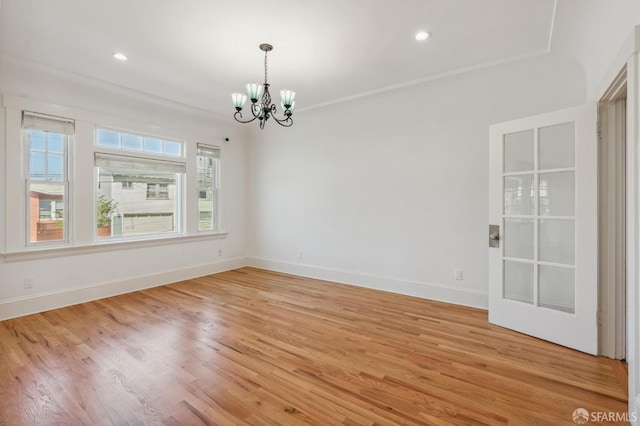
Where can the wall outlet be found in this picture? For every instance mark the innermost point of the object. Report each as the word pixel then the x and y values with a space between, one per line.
pixel 219 252
pixel 29 282
pixel 457 274
pixel 299 254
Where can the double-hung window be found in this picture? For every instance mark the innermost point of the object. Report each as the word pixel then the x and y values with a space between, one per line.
pixel 208 160
pixel 140 178
pixel 46 144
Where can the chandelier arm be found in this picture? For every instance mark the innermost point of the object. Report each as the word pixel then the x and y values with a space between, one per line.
pixel 287 122
pixel 239 114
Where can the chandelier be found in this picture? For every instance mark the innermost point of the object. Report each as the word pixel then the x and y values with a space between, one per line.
pixel 261 107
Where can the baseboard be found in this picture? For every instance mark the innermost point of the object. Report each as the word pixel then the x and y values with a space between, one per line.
pixel 439 292
pixel 21 306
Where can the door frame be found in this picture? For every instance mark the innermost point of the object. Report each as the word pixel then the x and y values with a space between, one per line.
pixel 629 57
pixel 612 219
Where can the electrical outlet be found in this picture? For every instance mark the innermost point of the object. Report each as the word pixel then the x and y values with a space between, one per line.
pixel 299 254
pixel 29 282
pixel 219 252
pixel 457 274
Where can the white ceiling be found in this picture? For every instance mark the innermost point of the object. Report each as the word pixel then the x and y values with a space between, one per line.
pixel 198 52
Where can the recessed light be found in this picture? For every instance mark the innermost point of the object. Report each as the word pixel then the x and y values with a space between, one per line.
pixel 422 35
pixel 120 56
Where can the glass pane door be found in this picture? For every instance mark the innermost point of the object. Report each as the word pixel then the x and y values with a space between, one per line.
pixel 539 199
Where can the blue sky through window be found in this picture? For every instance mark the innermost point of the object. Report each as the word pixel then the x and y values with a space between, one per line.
pixel 46 156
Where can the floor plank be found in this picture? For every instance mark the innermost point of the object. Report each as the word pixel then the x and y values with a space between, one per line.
pixel 262 348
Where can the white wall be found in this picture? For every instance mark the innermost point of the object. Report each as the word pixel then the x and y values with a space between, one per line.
pixel 593 32
pixel 86 274
pixel 390 191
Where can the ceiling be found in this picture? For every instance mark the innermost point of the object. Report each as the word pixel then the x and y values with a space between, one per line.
pixel 197 52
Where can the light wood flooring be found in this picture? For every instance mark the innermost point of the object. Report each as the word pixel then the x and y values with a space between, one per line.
pixel 263 348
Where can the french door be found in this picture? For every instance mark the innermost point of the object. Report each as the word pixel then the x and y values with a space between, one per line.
pixel 543 199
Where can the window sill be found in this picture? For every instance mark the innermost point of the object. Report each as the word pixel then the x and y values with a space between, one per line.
pixel 102 246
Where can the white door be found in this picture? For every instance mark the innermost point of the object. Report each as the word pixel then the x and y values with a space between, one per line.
pixel 543 196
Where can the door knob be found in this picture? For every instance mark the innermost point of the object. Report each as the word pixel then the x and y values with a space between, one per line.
pixel 494 236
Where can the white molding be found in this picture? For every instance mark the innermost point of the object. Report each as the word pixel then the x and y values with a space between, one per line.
pixel 424 290
pixel 634 412
pixel 103 246
pixel 554 14
pixel 633 239
pixel 20 306
pixel 140 94
pixel 427 79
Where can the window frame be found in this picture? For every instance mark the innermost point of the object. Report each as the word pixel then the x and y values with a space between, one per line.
pixel 25 143
pixel 216 189
pixel 144 136
pixel 180 199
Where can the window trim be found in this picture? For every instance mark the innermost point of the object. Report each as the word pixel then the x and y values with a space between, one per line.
pixel 48 251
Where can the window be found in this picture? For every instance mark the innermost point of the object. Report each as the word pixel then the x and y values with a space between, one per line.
pixel 157 191
pixel 208 160
pixel 135 184
pixel 126 141
pixel 46 139
pixel 138 194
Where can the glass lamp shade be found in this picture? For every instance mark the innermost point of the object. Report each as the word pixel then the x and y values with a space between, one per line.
pixel 239 100
pixel 288 111
pixel 254 90
pixel 287 97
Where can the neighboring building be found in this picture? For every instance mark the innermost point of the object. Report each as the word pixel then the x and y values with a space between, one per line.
pixel 145 205
pixel 47 213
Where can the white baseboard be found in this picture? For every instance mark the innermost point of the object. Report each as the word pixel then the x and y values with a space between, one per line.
pixel 20 306
pixel 27 305
pixel 439 292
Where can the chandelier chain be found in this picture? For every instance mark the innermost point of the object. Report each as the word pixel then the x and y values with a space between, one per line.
pixel 265 67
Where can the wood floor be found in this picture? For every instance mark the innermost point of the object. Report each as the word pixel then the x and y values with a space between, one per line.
pixel 262 348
